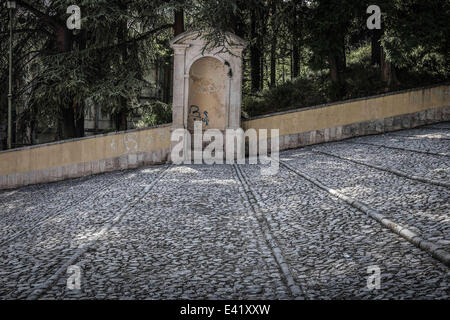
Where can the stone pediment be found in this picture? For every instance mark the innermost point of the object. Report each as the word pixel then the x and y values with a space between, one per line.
pixel 195 38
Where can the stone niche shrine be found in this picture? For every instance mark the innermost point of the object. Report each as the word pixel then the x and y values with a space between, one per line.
pixel 207 83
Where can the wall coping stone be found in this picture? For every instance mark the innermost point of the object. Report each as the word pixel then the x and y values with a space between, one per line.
pixel 86 138
pixel 344 102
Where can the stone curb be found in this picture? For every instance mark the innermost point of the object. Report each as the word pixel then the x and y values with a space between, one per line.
pixel 398 148
pixel 393 171
pixel 38 292
pixel 433 249
pixel 270 239
pixel 433 127
pixel 415 137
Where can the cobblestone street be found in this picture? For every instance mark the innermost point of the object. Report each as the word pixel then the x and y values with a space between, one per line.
pixel 227 232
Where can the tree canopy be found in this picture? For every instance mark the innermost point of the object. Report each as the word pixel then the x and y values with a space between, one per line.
pixel 301 52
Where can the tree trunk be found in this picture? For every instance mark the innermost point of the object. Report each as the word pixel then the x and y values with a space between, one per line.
pixel 255 55
pixel 273 46
pixel 336 63
pixel 78 111
pixel 263 64
pixel 79 126
pixel 343 66
pixel 334 73
pixel 238 26
pixel 122 122
pixel 178 26
pixel 295 46
pixel 33 124
pixel 376 47
pixel 64 43
pixel 295 59
pixel 79 108
pixel 273 62
pixel 67 124
pixel 388 74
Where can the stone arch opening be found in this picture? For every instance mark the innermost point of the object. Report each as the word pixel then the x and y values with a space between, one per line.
pixel 207 96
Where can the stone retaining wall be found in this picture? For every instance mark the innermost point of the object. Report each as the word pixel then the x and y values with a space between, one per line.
pixel 86 156
pixel 369 127
pixel 359 117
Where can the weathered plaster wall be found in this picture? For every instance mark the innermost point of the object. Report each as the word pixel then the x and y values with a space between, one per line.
pixel 337 121
pixel 81 157
pixel 207 88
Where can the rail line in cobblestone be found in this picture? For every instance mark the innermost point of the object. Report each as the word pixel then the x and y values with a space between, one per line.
pixel 51 186
pixel 430 247
pixel 2 202
pixel 8 193
pixel 36 187
pixel 264 224
pixel 416 137
pixel 398 148
pixel 38 292
pixel 218 232
pixel 435 128
pixel 389 170
pixel 57 212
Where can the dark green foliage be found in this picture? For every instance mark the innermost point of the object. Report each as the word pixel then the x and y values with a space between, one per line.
pixel 360 79
pixel 307 52
pixel 155 113
pixel 302 92
pixel 58 71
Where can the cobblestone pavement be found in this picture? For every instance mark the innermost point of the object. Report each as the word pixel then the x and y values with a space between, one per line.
pixel 227 232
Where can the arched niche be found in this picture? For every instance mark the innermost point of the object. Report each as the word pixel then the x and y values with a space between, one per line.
pixel 195 67
pixel 207 97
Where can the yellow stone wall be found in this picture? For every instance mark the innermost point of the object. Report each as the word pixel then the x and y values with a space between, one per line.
pixel 85 156
pixel 84 150
pixel 329 116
